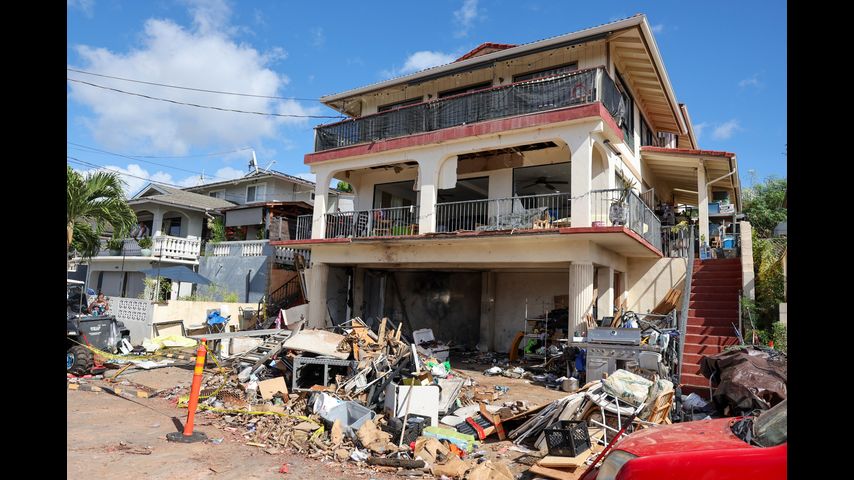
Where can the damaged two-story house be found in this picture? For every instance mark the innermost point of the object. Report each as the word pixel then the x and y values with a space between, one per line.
pixel 512 181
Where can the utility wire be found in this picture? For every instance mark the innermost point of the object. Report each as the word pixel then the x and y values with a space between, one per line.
pixel 193 89
pixel 101 167
pixel 84 147
pixel 288 115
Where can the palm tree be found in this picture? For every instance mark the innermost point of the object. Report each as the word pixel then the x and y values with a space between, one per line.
pixel 94 202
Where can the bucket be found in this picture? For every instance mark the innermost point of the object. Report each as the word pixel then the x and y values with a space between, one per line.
pixel 569 385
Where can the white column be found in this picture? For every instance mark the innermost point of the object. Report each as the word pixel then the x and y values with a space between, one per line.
pixel 580 296
pixel 605 302
pixel 703 200
pixel 317 295
pixel 434 172
pixel 157 223
pixel 580 181
pixel 321 188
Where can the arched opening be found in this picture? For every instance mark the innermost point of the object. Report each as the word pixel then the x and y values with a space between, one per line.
pixel 175 224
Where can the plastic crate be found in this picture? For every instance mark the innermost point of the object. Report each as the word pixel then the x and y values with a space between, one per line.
pixel 414 426
pixel 567 438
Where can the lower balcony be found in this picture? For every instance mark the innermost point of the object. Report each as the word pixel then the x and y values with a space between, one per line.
pixel 607 208
pixel 163 247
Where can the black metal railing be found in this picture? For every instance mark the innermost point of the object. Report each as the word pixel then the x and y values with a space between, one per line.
pixel 378 222
pixel 304 226
pixel 574 88
pixel 613 207
pixel 285 296
pixel 532 211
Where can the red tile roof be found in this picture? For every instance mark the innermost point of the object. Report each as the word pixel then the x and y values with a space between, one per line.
pixel 483 46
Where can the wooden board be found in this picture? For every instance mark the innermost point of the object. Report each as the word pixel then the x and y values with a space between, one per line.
pixel 564 462
pixel 557 473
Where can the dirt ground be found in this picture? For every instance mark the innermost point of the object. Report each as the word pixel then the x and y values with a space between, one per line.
pixel 97 423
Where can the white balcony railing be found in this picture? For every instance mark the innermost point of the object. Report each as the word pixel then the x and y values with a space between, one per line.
pixel 166 246
pixel 245 248
pixel 286 254
pixel 163 246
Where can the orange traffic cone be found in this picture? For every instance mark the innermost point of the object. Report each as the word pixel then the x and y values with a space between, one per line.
pixel 188 436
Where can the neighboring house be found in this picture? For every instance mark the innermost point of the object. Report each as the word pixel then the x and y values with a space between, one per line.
pixel 176 220
pixel 483 189
pixel 266 204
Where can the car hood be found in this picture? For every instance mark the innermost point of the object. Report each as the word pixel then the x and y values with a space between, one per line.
pixel 682 437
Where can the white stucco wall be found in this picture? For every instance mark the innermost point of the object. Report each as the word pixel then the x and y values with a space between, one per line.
pixel 649 280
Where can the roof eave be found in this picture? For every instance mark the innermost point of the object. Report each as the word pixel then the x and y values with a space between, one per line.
pixel 659 63
pixel 489 57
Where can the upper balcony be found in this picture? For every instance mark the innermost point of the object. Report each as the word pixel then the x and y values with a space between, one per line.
pixel 581 87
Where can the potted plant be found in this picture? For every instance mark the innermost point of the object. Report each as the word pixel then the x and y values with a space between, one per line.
pixel 617 212
pixel 145 246
pixel 115 245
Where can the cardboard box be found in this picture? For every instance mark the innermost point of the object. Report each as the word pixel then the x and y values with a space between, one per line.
pixel 268 388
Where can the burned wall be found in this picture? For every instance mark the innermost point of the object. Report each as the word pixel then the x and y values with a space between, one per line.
pixel 447 302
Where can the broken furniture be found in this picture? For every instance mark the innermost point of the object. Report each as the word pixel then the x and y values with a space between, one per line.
pixel 298 383
pixel 613 405
pixel 419 399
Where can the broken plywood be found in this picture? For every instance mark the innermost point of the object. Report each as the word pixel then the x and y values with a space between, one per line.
pixel 320 342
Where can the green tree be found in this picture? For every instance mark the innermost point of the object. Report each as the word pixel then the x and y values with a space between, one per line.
pixel 344 187
pixel 763 205
pixel 94 202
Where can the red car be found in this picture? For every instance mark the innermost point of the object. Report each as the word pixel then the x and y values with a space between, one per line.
pixel 721 449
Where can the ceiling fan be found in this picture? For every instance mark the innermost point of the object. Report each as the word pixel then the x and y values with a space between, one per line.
pixel 543 181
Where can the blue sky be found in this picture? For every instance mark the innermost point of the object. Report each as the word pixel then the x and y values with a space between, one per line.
pixel 726 61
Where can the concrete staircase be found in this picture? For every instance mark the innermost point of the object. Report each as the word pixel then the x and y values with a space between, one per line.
pixel 712 310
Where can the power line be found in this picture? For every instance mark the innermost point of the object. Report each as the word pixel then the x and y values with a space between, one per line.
pixel 101 167
pixel 205 106
pixel 213 154
pixel 138 159
pixel 193 89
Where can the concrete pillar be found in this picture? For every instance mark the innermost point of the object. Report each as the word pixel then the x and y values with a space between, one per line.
pixel 748 285
pixel 487 312
pixel 434 172
pixel 605 301
pixel 703 200
pixel 580 181
pixel 157 222
pixel 321 188
pixel 427 205
pixel 580 296
pixel 317 295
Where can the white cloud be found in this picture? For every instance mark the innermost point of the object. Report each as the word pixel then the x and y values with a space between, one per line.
pixel 318 38
pixel 465 17
pixel 136 177
pixel 698 129
pixel 85 6
pixel 726 130
pixel 419 61
pixel 204 56
pixel 658 28
pixel 209 16
pixel 752 81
